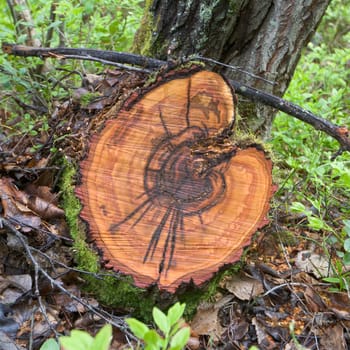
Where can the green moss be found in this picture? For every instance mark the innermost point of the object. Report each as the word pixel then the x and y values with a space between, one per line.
pixel 109 288
pixel 143 37
pixel 84 256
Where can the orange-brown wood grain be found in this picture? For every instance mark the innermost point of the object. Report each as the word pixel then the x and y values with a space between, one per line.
pixel 157 208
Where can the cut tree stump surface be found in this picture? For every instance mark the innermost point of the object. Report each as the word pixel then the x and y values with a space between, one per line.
pixel 167 195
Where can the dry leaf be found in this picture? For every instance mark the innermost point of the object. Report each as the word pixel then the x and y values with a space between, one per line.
pixel 243 286
pixel 11 200
pixel 206 321
pixel 45 209
pixel 333 338
pixel 313 263
pixel 23 206
pixel 313 300
pixel 265 341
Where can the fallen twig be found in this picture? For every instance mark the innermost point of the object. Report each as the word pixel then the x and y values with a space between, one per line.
pixel 340 133
pixel 118 322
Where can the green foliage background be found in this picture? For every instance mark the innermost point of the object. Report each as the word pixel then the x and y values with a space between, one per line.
pixel 106 24
pixel 321 85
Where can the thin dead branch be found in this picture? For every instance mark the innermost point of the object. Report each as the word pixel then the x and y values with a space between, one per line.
pixel 62 52
pixel 339 133
pixel 117 322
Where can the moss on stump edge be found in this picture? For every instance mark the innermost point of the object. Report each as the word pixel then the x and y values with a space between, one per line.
pixel 115 290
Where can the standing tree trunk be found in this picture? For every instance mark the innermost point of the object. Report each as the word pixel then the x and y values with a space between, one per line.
pixel 263 37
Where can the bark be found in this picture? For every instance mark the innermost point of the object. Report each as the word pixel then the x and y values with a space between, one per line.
pixel 264 37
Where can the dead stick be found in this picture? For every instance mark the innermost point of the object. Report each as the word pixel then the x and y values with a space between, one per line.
pixel 340 133
pixel 61 52
pixel 113 320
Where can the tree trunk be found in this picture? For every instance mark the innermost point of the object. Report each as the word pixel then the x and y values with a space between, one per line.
pixel 263 37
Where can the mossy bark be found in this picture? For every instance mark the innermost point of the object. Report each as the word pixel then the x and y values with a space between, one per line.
pixel 109 289
pixel 263 37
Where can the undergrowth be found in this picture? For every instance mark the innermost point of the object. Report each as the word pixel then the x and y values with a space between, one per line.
pixel 107 25
pixel 311 183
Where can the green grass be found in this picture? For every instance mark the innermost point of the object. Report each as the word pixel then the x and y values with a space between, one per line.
pixel 107 24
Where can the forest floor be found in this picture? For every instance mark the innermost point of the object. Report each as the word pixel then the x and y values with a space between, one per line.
pixel 277 300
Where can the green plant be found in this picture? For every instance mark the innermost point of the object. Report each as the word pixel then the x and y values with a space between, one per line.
pixel 345 242
pixel 341 277
pixel 315 222
pixel 87 23
pixel 81 340
pixel 170 335
pixel 340 281
pixel 313 184
pixel 50 344
pixel 320 85
pixel 298 346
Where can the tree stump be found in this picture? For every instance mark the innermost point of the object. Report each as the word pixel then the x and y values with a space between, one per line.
pixel 169 196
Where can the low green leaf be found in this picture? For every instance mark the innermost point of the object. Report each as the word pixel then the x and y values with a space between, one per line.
pixel 331 279
pixel 298 207
pixel 78 340
pixel 161 320
pixel 103 338
pixel 180 339
pixel 347 245
pixel 347 227
pixel 315 223
pixel 340 254
pixel 346 258
pixel 345 179
pixel 175 313
pixel 153 340
pixel 174 328
pixel 137 327
pixel 50 344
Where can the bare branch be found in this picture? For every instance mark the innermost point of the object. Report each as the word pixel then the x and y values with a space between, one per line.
pixel 340 133
pixel 52 18
pixel 62 52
